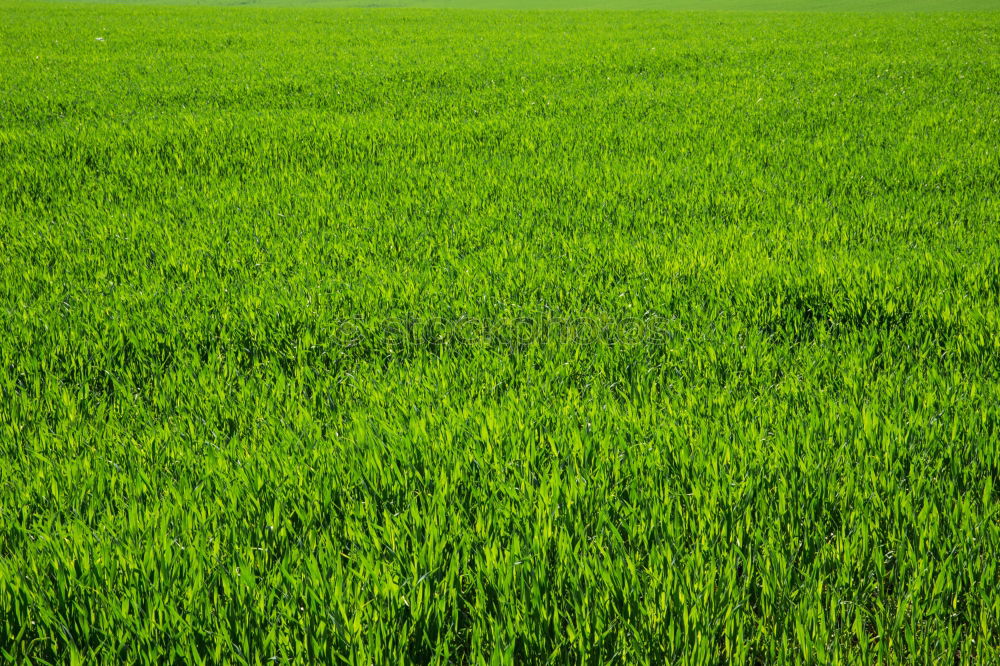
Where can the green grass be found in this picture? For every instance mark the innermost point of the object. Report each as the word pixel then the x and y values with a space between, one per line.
pixel 659 5
pixel 482 337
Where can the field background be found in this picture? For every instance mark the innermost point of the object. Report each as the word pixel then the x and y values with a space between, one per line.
pixel 655 5
pixel 283 374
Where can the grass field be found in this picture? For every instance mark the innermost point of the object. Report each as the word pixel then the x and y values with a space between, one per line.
pixel 490 337
pixel 863 6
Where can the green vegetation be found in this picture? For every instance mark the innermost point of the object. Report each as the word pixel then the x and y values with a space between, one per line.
pixel 673 5
pixel 482 337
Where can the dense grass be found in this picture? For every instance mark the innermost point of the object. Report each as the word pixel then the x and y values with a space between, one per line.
pixel 479 337
pixel 661 5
